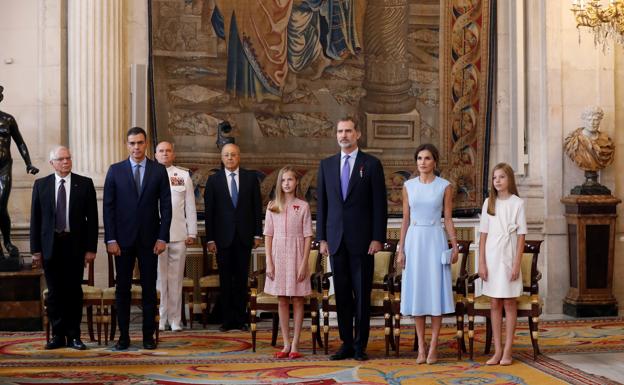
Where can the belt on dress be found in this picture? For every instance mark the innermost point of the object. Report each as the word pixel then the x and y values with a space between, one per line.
pixel 425 222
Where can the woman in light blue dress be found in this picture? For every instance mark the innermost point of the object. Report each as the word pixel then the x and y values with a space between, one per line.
pixel 426 287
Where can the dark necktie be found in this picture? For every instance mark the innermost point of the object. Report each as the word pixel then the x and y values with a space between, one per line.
pixel 234 189
pixel 61 208
pixel 137 178
pixel 344 177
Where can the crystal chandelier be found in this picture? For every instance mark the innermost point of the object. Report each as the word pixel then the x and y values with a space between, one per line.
pixel 603 21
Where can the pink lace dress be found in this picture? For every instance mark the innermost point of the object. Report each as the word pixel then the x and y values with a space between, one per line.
pixel 288 229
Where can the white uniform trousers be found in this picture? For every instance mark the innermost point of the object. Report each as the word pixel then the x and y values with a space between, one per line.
pixel 170 275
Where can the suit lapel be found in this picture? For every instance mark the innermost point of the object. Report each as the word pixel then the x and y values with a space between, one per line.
pixel 149 168
pixel 128 167
pixel 224 186
pixel 355 174
pixel 50 193
pixel 241 183
pixel 73 193
pixel 335 167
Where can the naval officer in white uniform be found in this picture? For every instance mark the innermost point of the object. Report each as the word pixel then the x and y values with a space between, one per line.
pixel 182 233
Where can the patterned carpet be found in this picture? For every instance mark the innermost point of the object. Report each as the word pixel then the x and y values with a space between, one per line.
pixel 210 357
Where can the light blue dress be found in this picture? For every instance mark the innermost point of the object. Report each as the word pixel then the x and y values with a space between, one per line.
pixel 426 287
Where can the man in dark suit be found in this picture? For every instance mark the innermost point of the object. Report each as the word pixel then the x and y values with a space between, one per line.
pixel 233 226
pixel 351 226
pixel 137 215
pixel 63 236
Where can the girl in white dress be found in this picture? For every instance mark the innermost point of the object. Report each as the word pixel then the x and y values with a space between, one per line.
pixel 503 227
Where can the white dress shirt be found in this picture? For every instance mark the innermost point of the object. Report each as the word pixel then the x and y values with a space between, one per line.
pixel 57 184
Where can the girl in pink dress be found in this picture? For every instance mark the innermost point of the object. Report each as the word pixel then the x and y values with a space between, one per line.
pixel 288 236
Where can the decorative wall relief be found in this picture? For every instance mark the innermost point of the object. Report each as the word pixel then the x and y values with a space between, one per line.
pixel 465 102
pixel 299 125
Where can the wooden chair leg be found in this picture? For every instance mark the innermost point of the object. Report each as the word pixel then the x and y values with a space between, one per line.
pixel 313 328
pixel 471 336
pixel 387 331
pixel 488 335
pixel 90 322
pixel 254 328
pixel 113 323
pixel 397 332
pixel 317 335
pixel 98 323
pixel 459 320
pixel 106 321
pixel 534 330
pixel 191 314
pixel 46 320
pixel 326 330
pixel 183 313
pixel 274 328
pixel 204 301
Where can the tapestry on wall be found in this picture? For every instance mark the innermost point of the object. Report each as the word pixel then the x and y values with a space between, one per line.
pixel 282 74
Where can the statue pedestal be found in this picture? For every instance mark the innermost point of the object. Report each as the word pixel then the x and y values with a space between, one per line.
pixel 21 306
pixel 11 263
pixel 591 238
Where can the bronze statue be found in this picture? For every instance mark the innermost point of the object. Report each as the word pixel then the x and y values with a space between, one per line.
pixel 591 150
pixel 8 130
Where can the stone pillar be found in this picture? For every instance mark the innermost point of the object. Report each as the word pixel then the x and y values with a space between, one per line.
pixel 390 116
pixel 385 46
pixel 95 85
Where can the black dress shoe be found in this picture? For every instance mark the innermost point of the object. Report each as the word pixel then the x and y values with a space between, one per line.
pixel 244 328
pixel 55 343
pixel 149 343
pixel 224 328
pixel 342 354
pixel 76 343
pixel 360 356
pixel 122 344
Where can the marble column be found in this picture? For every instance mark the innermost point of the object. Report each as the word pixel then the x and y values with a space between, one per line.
pixel 95 85
pixel 386 79
pixel 389 110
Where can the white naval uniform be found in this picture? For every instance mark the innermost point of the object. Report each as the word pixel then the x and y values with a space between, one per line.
pixel 171 261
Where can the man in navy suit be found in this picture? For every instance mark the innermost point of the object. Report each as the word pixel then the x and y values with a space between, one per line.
pixel 351 226
pixel 63 236
pixel 233 212
pixel 137 216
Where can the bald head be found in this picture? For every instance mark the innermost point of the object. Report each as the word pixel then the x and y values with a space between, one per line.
pixel 165 154
pixel 230 156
